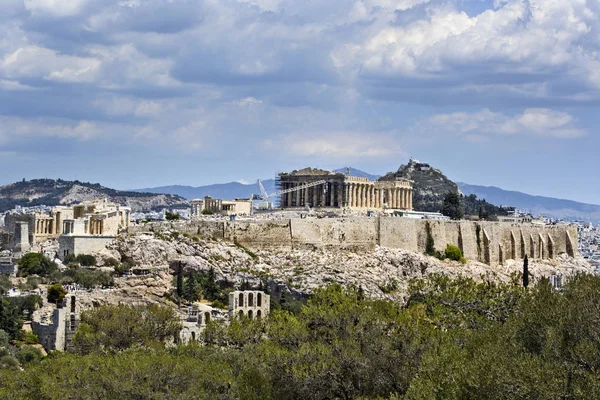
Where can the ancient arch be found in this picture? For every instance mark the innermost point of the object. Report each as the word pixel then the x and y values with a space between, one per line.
pixel 241 300
pixel 523 247
pixel 258 314
pixel 249 314
pixel 250 299
pixel 193 335
pixel 259 299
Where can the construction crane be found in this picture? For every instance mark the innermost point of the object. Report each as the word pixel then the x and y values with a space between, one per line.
pixel 265 196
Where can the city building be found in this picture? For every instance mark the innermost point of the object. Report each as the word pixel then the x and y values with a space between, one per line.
pixel 339 190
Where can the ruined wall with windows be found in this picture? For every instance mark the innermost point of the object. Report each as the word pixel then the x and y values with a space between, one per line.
pixel 249 303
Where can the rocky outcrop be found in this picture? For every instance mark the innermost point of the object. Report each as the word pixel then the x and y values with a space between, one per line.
pixel 382 273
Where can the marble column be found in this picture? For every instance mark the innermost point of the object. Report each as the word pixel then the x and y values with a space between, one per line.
pixel 298 195
pixel 362 196
pixel 290 194
pixel 392 198
pixel 331 194
pixel 410 199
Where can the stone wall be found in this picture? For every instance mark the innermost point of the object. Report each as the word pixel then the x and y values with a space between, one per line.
pixel 74 245
pixel 489 242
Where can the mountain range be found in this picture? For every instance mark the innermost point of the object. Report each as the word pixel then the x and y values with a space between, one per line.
pixel 548 206
pixel 50 192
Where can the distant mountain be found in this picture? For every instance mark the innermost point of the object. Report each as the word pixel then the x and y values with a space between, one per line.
pixel 358 173
pixel 233 190
pixel 548 206
pixel 229 190
pixel 52 192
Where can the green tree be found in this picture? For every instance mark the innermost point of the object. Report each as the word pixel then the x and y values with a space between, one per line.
pixel 114 328
pixel 169 216
pixel 525 272
pixel 429 244
pixel 35 264
pixel 56 293
pixel 190 291
pixel 452 206
pixel 179 280
pixel 10 318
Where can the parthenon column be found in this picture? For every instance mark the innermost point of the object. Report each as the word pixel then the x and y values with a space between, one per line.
pixel 350 199
pixel 371 197
pixel 406 200
pixel 381 197
pixel 290 195
pixel 331 194
pixel 401 202
pixel 410 199
pixel 400 198
pixel 298 195
pixel 363 196
pixel 392 198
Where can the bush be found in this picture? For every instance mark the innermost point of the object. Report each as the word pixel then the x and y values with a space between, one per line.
pixel 29 354
pixel 169 216
pixel 453 253
pixel 122 268
pixel 86 260
pixel 56 293
pixel 111 262
pixel 207 212
pixel 35 264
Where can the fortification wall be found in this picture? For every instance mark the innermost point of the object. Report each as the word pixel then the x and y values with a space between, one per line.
pixel 488 242
pixel 343 233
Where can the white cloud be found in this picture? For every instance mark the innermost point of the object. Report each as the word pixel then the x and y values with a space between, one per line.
pixel 247 102
pixel 338 145
pixel 14 128
pixel 191 137
pixel 39 62
pixel 56 8
pixel 519 37
pixel 533 121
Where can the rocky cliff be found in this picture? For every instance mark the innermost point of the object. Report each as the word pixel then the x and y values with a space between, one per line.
pixel 382 273
pixel 52 192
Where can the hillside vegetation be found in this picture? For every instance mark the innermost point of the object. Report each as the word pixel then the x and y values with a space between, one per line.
pixel 454 339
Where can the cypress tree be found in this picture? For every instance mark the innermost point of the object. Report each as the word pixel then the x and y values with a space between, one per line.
pixel 191 289
pixel 525 272
pixel 180 280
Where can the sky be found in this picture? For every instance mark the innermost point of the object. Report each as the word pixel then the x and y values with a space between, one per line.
pixel 144 93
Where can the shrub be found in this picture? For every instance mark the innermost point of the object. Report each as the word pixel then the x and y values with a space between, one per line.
pixel 111 262
pixel 35 264
pixel 453 253
pixel 169 216
pixel 86 260
pixel 56 293
pixel 29 354
pixel 207 212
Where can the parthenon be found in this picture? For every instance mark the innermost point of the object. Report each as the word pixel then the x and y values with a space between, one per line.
pixel 343 191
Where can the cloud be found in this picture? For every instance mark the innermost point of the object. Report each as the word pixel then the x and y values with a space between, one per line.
pixel 47 64
pixel 55 8
pixel 338 145
pixel 15 129
pixel 533 121
pixel 517 43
